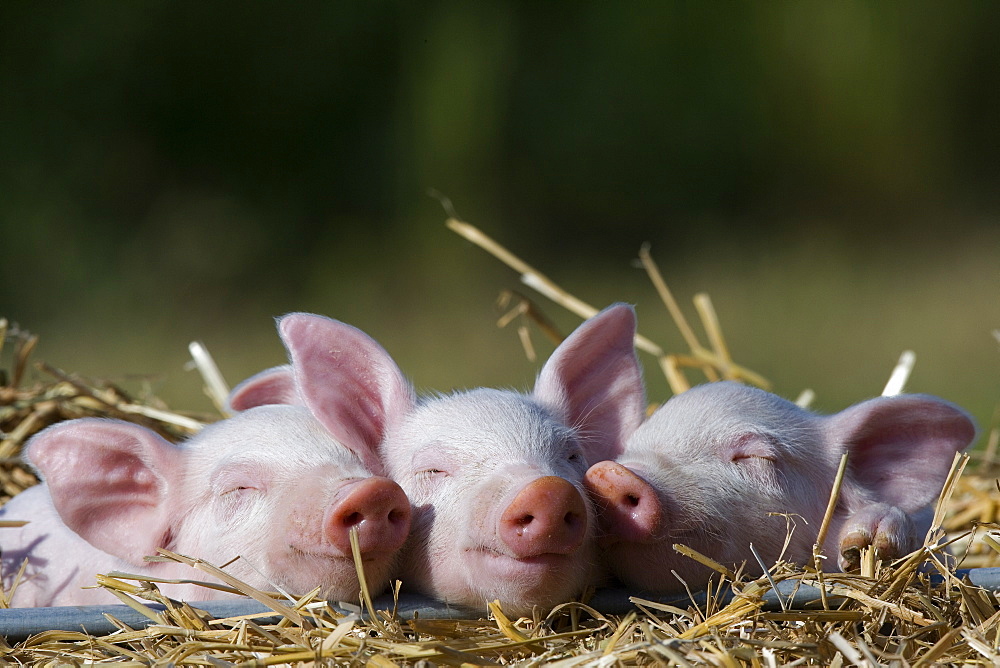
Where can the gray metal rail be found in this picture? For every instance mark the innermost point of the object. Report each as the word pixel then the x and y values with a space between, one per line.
pixel 17 624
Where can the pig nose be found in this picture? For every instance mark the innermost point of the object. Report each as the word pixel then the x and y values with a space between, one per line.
pixel 628 508
pixel 548 516
pixel 380 511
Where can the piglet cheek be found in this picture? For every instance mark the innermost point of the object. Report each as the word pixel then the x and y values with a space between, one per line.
pixel 303 512
pixel 628 507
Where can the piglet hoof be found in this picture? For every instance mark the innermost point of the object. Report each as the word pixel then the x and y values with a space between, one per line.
pixel 885 528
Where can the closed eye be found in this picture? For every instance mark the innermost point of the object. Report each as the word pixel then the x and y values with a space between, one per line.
pixel 740 457
pixel 752 446
pixel 238 476
pixel 434 460
pixel 238 489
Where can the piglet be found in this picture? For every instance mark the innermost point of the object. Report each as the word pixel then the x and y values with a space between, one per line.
pixel 495 476
pixel 270 485
pixel 724 465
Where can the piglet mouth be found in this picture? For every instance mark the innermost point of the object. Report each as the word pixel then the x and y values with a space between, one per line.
pixel 541 563
pixel 335 555
pixel 541 557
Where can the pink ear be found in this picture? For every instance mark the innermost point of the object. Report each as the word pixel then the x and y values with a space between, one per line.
pixel 594 379
pixel 901 447
pixel 109 482
pixel 273 386
pixel 347 380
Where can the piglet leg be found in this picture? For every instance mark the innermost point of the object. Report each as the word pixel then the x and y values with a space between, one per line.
pixel 886 528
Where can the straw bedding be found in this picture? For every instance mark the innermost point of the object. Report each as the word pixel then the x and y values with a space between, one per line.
pixel 912 612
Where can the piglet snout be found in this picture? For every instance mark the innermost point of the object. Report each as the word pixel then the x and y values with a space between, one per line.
pixel 628 506
pixel 380 511
pixel 548 516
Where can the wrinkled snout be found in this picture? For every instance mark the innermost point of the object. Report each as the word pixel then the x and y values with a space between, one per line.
pixel 380 511
pixel 628 507
pixel 548 516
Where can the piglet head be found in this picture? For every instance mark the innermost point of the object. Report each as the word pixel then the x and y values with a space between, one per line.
pixel 723 465
pixel 715 468
pixel 353 388
pixel 269 486
pixel 495 476
pixel 273 486
pixel 499 512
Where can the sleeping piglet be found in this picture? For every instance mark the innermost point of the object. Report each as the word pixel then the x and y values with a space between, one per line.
pixel 270 485
pixel 495 476
pixel 709 466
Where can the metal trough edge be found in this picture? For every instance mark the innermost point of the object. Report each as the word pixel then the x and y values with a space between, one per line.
pixel 17 624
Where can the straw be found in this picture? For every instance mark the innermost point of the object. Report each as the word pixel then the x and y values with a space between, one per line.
pixel 714 363
pixel 215 386
pixel 535 279
pixel 900 374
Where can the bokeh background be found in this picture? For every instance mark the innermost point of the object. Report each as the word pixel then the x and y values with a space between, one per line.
pixel 828 172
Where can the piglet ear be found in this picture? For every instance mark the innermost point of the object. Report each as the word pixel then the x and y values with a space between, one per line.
pixel 901 447
pixel 110 483
pixel 273 386
pixel 594 381
pixel 347 380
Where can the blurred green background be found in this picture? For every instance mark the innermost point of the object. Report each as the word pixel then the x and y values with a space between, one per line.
pixel 828 172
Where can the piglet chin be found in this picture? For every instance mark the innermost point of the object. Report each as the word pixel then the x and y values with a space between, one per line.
pixel 336 575
pixel 651 567
pixel 520 583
